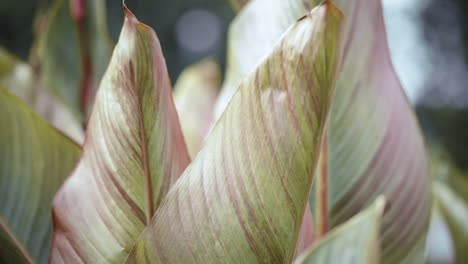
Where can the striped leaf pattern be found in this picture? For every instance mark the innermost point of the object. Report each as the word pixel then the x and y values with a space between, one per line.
pixel 374 143
pixel 133 152
pixel 34 161
pixel 243 197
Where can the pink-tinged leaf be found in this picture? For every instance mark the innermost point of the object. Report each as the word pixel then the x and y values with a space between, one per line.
pixel 375 146
pixel 133 152
pixel 195 95
pixel 374 143
pixel 243 198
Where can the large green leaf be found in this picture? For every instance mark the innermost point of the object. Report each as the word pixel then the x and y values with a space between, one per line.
pixel 34 161
pixel 195 95
pixel 243 197
pixel 67 48
pixel 374 145
pixel 133 152
pixel 355 241
pixel 455 212
pixel 19 78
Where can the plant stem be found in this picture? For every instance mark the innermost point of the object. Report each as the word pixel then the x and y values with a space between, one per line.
pixel 79 14
pixel 321 194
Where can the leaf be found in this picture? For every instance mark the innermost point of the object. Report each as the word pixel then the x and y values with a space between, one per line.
pixel 374 143
pixel 455 212
pixel 62 49
pixel 19 78
pixel 133 152
pixel 243 197
pixel 355 241
pixel 253 35
pixel 16 76
pixel 194 95
pixel 34 161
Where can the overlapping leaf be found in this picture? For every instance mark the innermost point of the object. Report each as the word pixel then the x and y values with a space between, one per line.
pixel 34 161
pixel 252 36
pixel 374 145
pixel 242 199
pixel 19 78
pixel 195 95
pixel 64 48
pixel 355 241
pixel 133 152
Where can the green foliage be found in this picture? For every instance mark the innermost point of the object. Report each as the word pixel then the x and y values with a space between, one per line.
pixel 35 160
pixel 310 113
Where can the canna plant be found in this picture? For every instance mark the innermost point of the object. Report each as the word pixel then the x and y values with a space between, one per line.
pixel 309 154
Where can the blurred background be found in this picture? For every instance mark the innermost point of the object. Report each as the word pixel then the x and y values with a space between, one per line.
pixel 428 41
pixel 188 30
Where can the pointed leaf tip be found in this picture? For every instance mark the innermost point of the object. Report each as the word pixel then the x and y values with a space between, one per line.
pixel 129 14
pixel 355 241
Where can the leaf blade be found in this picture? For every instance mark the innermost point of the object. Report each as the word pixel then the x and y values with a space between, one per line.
pixel 375 146
pixel 249 207
pixel 355 241
pixel 371 129
pixel 18 78
pixel 133 152
pixel 35 159
pixel 61 63
pixel 195 94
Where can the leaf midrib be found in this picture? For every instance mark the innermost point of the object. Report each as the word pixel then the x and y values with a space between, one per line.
pixel 144 150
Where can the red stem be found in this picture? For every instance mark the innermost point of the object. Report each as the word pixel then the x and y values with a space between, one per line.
pixel 322 192
pixel 79 14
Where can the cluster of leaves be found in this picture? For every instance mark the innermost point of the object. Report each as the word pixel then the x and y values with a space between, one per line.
pixel 310 153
